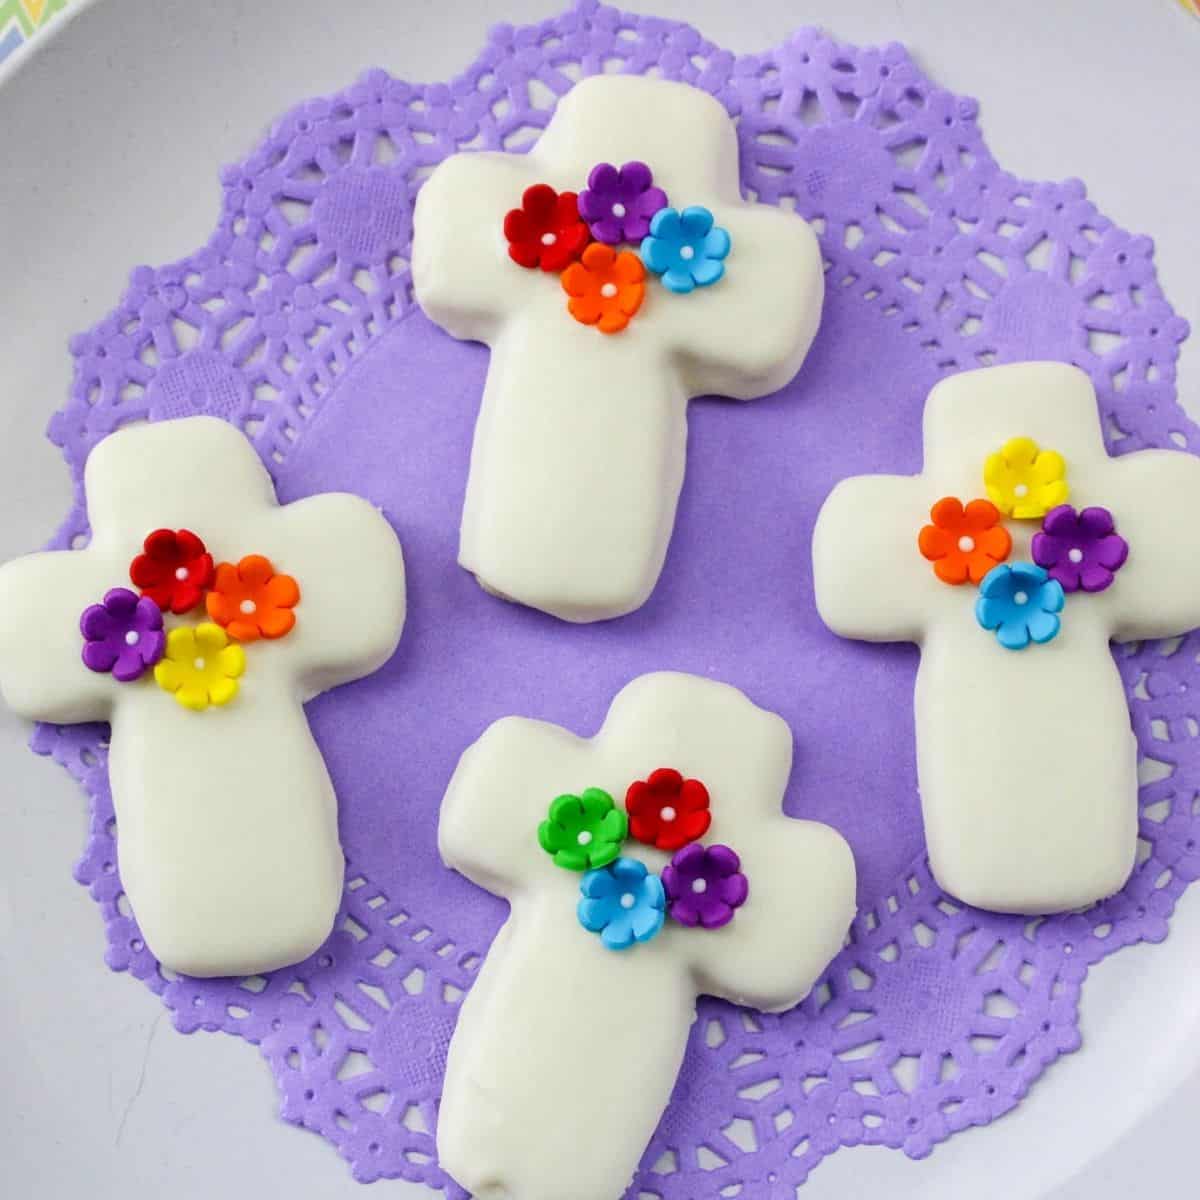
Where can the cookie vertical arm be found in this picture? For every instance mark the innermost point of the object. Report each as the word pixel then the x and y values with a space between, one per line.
pixel 576 466
pixel 229 841
pixel 1026 765
pixel 563 1060
pixel 525 1110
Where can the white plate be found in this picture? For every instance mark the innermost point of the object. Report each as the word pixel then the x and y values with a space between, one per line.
pixel 114 127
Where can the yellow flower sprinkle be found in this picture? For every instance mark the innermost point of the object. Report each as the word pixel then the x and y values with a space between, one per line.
pixel 201 666
pixel 1025 481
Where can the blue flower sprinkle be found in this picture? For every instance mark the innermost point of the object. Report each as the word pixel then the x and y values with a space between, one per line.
pixel 685 248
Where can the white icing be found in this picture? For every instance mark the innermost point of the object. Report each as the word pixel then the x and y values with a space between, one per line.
pixel 966 544
pixel 131 638
pixel 566 1052
pixel 579 448
pixel 228 821
pixel 1026 760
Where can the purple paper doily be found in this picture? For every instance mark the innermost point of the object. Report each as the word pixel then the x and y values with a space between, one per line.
pixel 297 318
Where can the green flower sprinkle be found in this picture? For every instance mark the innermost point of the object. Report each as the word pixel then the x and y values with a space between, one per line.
pixel 584 833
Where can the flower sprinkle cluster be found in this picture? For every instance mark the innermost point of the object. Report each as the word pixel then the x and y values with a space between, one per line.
pixel 580 236
pixel 1073 551
pixel 621 899
pixel 125 635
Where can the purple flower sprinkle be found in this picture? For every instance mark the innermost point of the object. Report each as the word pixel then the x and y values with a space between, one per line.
pixel 1080 550
pixel 123 634
pixel 618 204
pixel 704 885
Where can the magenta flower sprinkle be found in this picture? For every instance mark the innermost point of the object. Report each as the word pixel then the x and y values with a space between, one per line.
pixel 1081 550
pixel 704 885
pixel 123 634
pixel 618 204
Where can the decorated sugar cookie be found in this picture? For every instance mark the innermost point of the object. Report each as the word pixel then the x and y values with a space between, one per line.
pixel 198 621
pixel 615 271
pixel 1013 560
pixel 644 866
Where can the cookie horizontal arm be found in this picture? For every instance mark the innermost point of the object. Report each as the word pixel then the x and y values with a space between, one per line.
pixel 347 561
pixel 871 582
pixel 42 596
pixel 1155 494
pixel 462 275
pixel 498 795
pixel 748 336
pixel 802 887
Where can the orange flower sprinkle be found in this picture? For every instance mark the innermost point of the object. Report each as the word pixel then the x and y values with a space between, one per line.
pixel 251 601
pixel 964 543
pixel 606 288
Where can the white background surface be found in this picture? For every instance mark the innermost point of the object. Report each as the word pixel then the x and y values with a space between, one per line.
pixel 113 133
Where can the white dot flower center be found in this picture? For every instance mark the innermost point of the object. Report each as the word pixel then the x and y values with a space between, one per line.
pixel 687 253
pixel 584 838
pixel 548 239
pixel 1021 598
pixel 131 638
pixel 1075 554
pixel 1021 490
pixel 667 813
pixel 198 663
pixel 608 291
pixel 248 606
pixel 966 544
pixel 627 900
pixel 618 209
pixel 181 573
pixel 699 886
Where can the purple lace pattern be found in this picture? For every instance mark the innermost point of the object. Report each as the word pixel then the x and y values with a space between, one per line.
pixel 935 1017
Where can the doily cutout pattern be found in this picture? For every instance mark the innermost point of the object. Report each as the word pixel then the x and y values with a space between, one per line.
pixel 935 1017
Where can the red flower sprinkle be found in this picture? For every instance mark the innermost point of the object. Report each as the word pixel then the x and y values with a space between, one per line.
pixel 174 570
pixel 546 230
pixel 667 810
